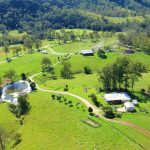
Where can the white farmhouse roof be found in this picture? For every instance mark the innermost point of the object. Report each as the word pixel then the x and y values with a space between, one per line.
pixel 129 105
pixel 117 97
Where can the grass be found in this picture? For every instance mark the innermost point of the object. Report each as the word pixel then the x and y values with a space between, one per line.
pixel 140 119
pixel 29 64
pixel 54 124
pixel 73 47
pixel 50 124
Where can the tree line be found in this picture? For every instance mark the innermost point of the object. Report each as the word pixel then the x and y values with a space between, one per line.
pixel 35 15
pixel 121 75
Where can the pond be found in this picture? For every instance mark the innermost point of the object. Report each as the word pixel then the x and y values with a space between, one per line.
pixel 11 92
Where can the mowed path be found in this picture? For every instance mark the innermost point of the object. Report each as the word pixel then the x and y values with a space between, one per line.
pixel 96 110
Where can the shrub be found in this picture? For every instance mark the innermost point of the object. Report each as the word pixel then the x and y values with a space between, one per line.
pixel 94 99
pixel 108 112
pixel 90 109
pixel 58 97
pixel 66 88
pixel 87 70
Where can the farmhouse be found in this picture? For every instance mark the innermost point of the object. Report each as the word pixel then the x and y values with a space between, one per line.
pixel 116 98
pixel 129 107
pixel 87 52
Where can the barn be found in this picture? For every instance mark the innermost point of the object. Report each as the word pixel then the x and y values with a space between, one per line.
pixel 116 98
pixel 87 52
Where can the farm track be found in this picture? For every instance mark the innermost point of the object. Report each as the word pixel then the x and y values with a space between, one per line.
pixel 96 110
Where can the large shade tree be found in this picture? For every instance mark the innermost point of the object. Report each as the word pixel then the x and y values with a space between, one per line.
pixel 10 74
pixel 66 72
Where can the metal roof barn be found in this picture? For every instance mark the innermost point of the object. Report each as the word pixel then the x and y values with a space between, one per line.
pixel 114 97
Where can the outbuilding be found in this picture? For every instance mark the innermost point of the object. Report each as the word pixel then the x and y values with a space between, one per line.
pixel 129 107
pixel 116 98
pixel 87 52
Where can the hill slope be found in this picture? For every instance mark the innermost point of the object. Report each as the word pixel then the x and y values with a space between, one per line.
pixel 24 14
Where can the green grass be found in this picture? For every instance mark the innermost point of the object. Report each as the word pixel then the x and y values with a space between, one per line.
pixel 29 64
pixel 140 119
pixel 54 125
pixel 73 47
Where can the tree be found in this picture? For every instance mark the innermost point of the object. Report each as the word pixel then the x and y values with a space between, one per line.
pixel 46 64
pixel 6 49
pixel 38 43
pixel 87 70
pixel 121 74
pixel 94 99
pixel 10 74
pixel 24 76
pixel 101 54
pixel 108 112
pixel 105 78
pixel 66 70
pixel 23 105
pixel 28 43
pixel 135 72
pixel 16 50
pixel 90 109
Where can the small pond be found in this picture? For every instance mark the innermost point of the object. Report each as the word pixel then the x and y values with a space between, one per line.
pixel 11 92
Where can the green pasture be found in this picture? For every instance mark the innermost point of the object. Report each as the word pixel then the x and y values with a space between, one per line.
pixel 54 125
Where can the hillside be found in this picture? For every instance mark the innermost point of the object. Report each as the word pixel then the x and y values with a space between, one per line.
pixel 43 14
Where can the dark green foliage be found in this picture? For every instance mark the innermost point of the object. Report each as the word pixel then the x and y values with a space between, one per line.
pixel 22 108
pixel 94 99
pixel 66 88
pixel 90 109
pixel 122 74
pixel 24 76
pixel 33 86
pixel 101 54
pixel 87 70
pixel 27 14
pixel 66 72
pixel 108 112
pixel 46 64
pixel 23 104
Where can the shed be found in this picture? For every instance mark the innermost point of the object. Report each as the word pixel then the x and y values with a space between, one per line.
pixel 135 102
pixel 129 107
pixel 116 98
pixel 87 52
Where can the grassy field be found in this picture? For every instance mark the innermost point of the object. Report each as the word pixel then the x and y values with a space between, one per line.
pixel 73 47
pixel 54 125
pixel 29 64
